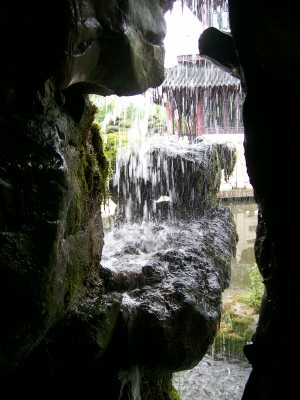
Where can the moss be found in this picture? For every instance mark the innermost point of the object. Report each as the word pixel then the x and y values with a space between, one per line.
pixel 223 158
pixel 240 324
pixel 228 158
pixel 89 172
pixel 89 167
pixel 230 344
pixel 234 332
pixel 159 389
pixel 222 260
pixel 254 295
pixel 209 179
pixel 111 129
pixel 173 394
pixel 95 170
pixel 111 142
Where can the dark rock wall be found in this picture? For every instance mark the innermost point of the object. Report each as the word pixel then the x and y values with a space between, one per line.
pixel 61 328
pixel 265 38
pixel 50 227
pixel 267 41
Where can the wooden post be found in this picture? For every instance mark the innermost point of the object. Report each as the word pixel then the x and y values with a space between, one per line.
pixel 200 118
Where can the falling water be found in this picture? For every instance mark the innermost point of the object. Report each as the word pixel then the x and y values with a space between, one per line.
pixel 163 177
pixel 154 218
pixel 130 384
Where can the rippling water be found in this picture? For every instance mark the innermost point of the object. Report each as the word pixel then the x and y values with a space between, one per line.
pixel 213 379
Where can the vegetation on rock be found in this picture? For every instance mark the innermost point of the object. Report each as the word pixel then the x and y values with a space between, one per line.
pixel 239 317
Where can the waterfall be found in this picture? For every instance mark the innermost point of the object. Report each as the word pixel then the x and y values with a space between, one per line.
pixel 168 247
pixel 165 178
pixel 165 225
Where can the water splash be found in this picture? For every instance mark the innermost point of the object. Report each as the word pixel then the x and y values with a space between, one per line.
pixel 213 379
pixel 165 178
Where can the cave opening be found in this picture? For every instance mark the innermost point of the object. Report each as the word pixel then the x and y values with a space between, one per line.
pixel 136 221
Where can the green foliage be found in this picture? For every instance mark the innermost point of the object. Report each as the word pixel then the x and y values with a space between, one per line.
pixel 234 331
pixel 255 292
pixel 231 344
pixel 111 129
pixel 120 112
pixel 157 122
pixel 115 117
pixel 96 167
pixel 104 107
pixel 111 143
pixel 173 394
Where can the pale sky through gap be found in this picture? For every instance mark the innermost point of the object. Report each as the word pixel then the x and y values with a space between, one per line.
pixel 183 31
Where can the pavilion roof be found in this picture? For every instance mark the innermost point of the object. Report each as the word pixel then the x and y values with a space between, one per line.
pixel 197 6
pixel 199 74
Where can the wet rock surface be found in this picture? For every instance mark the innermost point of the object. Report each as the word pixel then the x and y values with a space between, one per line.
pixel 69 324
pixel 171 276
pixel 265 80
pixel 165 179
pixel 171 265
pixel 50 251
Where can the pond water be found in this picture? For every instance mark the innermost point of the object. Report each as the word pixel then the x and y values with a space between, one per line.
pixel 213 379
pixel 245 216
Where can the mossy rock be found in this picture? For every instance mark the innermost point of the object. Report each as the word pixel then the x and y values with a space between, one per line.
pixel 233 334
pixel 159 389
pixel 230 344
pixel 240 325
pixel 173 394
pixel 111 142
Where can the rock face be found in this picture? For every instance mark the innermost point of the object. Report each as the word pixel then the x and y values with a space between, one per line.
pixel 51 234
pixel 261 32
pixel 166 179
pixel 61 323
pixel 218 47
pixel 171 290
pixel 92 46
pixel 68 324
